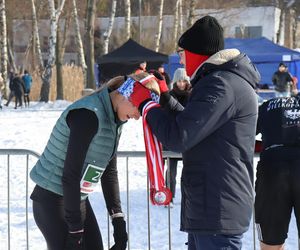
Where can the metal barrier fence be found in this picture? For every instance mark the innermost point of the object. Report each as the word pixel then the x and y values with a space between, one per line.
pixel 8 153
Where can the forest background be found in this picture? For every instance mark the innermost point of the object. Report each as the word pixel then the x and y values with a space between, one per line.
pixel 52 80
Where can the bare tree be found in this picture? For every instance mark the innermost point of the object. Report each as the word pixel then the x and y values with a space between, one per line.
pixel 89 50
pixel 47 73
pixel 60 52
pixel 159 29
pixel 191 14
pixel 176 17
pixel 3 41
pixel 11 58
pixel 110 26
pixel 180 17
pixel 79 43
pixel 127 18
pixel 36 38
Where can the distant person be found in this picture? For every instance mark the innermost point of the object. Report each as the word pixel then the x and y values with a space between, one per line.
pixel 141 68
pixel 97 75
pixel 17 89
pixel 180 91
pixel 282 81
pixel 161 70
pixel 27 79
pixel 1 89
pixel 277 183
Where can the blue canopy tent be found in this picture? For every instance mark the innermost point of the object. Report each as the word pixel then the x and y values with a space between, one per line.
pixel 265 54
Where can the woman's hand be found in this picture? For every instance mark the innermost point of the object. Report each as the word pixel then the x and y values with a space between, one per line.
pixel 120 234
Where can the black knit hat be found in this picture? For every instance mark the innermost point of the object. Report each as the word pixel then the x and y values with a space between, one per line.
pixel 205 37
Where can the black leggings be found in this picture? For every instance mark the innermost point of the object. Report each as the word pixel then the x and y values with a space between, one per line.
pixel 49 217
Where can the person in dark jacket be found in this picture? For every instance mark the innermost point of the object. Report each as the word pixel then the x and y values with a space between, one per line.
pixel 161 70
pixel 80 152
pixel 215 133
pixel 1 88
pixel 282 81
pixel 277 183
pixel 17 88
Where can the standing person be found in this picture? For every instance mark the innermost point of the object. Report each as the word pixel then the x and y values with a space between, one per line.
pixel 161 70
pixel 17 90
pixel 282 81
pixel 141 68
pixel 11 76
pixel 1 88
pixel 180 91
pixel 215 133
pixel 278 171
pixel 27 79
pixel 81 151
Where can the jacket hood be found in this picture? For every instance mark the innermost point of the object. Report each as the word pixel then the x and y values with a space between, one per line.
pixel 229 60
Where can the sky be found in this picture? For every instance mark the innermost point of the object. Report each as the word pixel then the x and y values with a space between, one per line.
pixel 29 128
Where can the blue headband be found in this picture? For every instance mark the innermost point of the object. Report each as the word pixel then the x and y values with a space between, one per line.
pixel 126 89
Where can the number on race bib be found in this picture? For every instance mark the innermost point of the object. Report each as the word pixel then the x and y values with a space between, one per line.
pixel 90 178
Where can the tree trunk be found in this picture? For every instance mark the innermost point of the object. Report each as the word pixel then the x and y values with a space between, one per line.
pixel 11 57
pixel 191 15
pixel 47 74
pixel 79 44
pixel 160 21
pixel 176 14
pixel 59 63
pixel 180 16
pixel 110 26
pixel 91 9
pixel 280 27
pixel 127 18
pixel 3 41
pixel 36 38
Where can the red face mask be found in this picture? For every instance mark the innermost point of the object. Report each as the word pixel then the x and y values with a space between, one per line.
pixel 193 61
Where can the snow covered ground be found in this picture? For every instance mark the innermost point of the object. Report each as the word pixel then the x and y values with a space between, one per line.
pixel 30 129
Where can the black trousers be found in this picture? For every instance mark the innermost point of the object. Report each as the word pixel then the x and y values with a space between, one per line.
pixel 171 176
pixel 49 217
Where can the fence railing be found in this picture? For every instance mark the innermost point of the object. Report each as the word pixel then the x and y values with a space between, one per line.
pixel 28 154
pixel 9 153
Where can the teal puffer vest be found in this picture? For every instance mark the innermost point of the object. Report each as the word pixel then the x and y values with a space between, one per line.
pixel 47 172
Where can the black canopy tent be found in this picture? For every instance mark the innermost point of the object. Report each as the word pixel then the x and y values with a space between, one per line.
pixel 126 58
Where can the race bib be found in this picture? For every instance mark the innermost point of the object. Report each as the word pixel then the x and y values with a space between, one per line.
pixel 90 178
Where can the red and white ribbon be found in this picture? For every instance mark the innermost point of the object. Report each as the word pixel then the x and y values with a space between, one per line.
pixel 159 193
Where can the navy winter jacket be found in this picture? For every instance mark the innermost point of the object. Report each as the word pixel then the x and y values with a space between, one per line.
pixel 215 133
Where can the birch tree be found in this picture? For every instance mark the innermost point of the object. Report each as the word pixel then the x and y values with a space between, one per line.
pixel 36 37
pixel 47 73
pixel 79 43
pixel 176 17
pixel 180 17
pixel 90 61
pixel 110 26
pixel 191 14
pixel 3 41
pixel 127 18
pixel 60 52
pixel 159 29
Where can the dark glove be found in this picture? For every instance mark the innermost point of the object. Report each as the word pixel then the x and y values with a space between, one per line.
pixel 74 241
pixel 140 96
pixel 120 234
pixel 160 80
